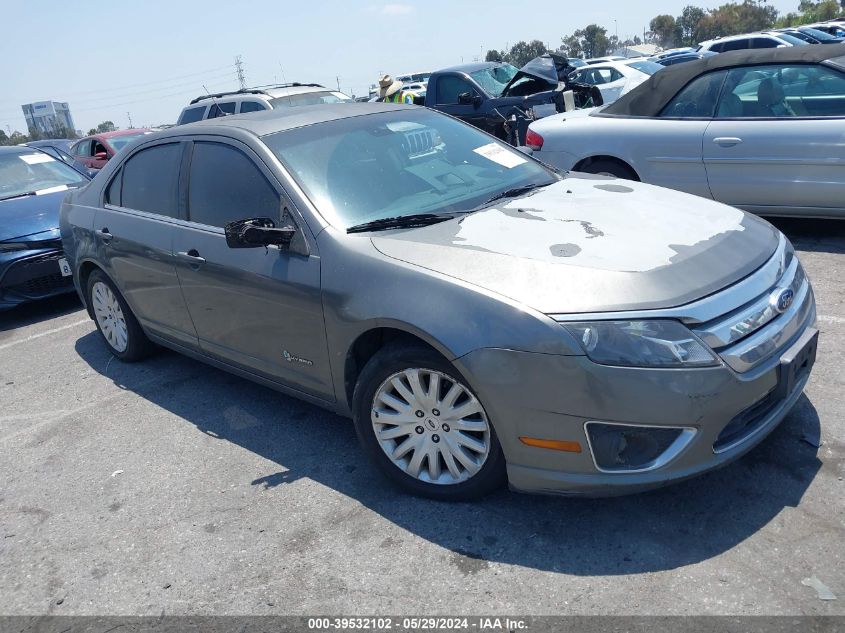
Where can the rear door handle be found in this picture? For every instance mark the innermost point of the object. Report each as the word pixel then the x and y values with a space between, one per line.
pixel 727 141
pixel 105 235
pixel 192 257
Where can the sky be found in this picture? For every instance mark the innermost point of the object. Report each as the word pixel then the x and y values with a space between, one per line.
pixel 145 59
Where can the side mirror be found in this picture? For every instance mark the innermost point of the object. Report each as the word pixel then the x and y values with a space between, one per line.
pixel 466 98
pixel 101 156
pixel 257 232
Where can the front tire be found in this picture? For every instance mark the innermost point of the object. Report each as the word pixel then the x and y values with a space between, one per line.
pixel 117 325
pixel 418 419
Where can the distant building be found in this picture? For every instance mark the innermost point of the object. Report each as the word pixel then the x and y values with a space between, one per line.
pixel 48 117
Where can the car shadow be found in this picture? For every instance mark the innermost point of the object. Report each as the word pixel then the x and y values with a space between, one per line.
pixel 34 312
pixel 811 234
pixel 660 530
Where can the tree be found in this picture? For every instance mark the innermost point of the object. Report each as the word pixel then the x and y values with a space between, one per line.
pixel 688 23
pixel 591 41
pixel 571 46
pixel 92 131
pixel 733 18
pixel 105 126
pixel 523 52
pixel 494 56
pixel 665 30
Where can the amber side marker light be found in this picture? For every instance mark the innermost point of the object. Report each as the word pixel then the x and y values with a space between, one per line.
pixel 555 445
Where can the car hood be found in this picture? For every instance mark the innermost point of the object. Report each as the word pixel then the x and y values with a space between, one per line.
pixel 21 217
pixel 592 244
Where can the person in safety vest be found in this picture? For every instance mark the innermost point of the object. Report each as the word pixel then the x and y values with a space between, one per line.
pixel 390 91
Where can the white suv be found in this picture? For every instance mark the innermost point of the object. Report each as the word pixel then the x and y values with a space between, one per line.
pixel 766 39
pixel 258 99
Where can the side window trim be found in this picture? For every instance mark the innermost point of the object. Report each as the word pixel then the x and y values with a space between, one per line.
pixel 185 177
pixel 111 204
pixel 286 201
pixel 165 141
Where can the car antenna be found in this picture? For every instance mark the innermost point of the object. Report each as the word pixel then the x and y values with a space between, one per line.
pixel 214 103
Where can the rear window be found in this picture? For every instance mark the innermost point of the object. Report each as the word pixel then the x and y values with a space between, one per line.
pixel 191 115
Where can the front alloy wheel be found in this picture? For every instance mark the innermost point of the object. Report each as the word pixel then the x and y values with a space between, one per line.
pixel 416 416
pixel 431 426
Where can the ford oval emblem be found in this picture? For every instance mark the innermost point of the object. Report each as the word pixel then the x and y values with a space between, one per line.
pixel 781 300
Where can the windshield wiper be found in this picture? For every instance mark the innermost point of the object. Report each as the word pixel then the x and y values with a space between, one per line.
pixel 515 192
pixel 401 222
pixel 19 195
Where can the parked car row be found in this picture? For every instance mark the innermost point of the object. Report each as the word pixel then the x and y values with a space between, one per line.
pixel 757 129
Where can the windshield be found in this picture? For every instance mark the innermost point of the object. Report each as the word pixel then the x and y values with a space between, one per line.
pixel 494 79
pixel 645 66
pixel 117 143
pixel 36 172
pixel 400 163
pixel 309 98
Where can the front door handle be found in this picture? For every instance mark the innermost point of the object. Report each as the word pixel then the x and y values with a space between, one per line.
pixel 192 257
pixel 727 141
pixel 105 235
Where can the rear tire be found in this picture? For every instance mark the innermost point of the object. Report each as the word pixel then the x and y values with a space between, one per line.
pixel 610 168
pixel 117 325
pixel 443 436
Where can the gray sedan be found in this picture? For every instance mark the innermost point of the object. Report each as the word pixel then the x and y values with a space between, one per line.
pixel 759 129
pixel 481 317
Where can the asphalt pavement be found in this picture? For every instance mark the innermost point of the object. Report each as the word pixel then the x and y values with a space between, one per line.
pixel 171 487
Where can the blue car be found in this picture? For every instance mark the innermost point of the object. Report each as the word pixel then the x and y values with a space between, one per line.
pixel 32 187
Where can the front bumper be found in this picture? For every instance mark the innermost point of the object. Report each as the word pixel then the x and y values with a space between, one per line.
pixel 31 275
pixel 554 397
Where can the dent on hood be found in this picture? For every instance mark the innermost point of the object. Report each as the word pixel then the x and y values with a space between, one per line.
pixel 598 226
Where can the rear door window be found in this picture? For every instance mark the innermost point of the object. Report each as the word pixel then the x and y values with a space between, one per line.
pixel 226 185
pixel 221 109
pixel 735 45
pixel 697 99
pixel 252 106
pixel 151 180
pixel 83 148
pixel 192 114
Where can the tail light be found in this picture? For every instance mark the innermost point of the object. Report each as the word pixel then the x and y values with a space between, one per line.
pixel 533 140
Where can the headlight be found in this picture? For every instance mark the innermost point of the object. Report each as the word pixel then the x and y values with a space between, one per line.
pixel 641 344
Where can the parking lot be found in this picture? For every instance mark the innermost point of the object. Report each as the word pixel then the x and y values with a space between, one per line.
pixel 171 487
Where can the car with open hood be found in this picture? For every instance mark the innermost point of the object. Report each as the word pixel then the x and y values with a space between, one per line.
pixel 480 316
pixel 32 186
pixel 760 130
pixel 501 99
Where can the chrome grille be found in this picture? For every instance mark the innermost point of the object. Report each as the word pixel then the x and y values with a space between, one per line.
pixel 746 336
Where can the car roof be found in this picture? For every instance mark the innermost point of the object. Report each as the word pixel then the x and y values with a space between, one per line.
pixel 18 149
pixel 281 119
pixel 101 135
pixel 650 97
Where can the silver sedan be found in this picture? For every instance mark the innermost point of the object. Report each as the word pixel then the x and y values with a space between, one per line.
pixel 761 130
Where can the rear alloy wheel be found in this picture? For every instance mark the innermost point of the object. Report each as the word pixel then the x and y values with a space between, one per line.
pixel 115 321
pixel 426 428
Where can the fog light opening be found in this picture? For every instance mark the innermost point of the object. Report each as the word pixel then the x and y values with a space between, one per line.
pixel 629 448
